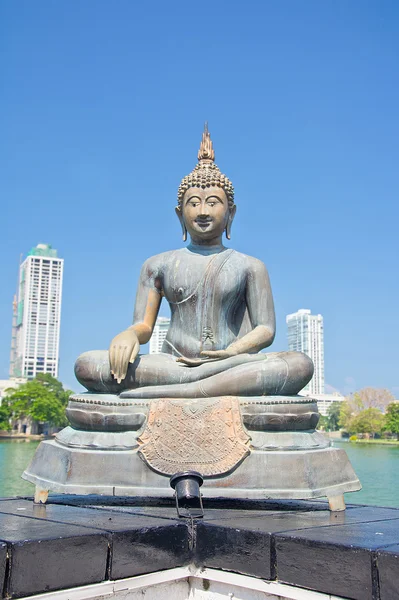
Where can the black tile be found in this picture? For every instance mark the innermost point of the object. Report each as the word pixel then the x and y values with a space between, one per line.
pixel 240 540
pixel 152 547
pixel 291 519
pixel 3 561
pixel 95 499
pixel 233 548
pixel 336 560
pixel 209 503
pixel 153 507
pixel 140 543
pixel 388 572
pixel 104 518
pixel 64 543
pixel 48 556
pixel 159 512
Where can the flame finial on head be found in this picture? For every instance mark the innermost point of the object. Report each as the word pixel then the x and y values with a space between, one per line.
pixel 206 173
pixel 206 151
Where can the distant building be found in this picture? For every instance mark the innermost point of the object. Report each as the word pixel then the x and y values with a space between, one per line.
pixel 305 334
pixel 324 401
pixel 159 335
pixel 5 384
pixel 37 314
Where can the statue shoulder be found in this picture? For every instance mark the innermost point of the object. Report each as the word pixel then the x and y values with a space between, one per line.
pixel 158 261
pixel 249 262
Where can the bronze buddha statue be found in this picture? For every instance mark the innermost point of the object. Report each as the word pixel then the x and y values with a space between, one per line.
pixel 222 312
pixel 211 401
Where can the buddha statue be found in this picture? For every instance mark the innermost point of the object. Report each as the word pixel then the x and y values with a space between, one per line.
pixel 211 402
pixel 222 312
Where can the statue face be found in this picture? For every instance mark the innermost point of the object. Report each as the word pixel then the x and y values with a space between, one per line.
pixel 205 212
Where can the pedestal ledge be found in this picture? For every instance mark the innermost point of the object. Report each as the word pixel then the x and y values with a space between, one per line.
pixel 262 475
pixel 286 456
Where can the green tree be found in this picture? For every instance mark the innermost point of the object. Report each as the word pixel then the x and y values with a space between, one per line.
pixel 359 402
pixel 369 421
pixel 346 415
pixel 323 423
pixel 55 387
pixel 333 415
pixel 43 399
pixel 5 416
pixel 392 419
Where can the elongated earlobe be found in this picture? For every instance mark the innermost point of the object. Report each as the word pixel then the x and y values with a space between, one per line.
pixel 183 226
pixel 184 232
pixel 230 221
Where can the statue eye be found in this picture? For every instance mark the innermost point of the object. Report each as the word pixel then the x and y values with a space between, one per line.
pixel 212 201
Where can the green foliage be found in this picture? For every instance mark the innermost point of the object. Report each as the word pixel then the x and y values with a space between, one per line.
pixel 346 414
pixel 392 419
pixel 5 423
pixel 55 387
pixel 330 422
pixel 43 399
pixel 369 421
pixel 363 411
pixel 323 423
pixel 333 415
pixel 353 438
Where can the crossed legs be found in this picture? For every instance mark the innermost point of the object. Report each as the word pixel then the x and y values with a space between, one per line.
pixel 160 376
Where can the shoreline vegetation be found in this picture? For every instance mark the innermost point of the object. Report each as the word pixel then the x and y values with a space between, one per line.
pixel 332 435
pixel 369 416
pixel 379 441
pixel 24 436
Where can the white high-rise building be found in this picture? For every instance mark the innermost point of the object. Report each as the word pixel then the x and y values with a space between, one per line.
pixel 37 314
pixel 305 334
pixel 159 334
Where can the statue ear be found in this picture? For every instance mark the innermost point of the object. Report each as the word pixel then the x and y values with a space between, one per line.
pixel 230 218
pixel 183 226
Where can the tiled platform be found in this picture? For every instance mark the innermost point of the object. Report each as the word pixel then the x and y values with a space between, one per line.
pixel 74 541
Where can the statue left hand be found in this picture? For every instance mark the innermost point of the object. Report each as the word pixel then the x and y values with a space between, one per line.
pixel 208 356
pixel 218 354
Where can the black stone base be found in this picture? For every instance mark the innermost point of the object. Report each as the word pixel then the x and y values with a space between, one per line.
pixel 74 541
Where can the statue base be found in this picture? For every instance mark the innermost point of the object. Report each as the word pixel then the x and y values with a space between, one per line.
pixel 263 460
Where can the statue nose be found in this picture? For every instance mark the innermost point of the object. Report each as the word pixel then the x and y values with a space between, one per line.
pixel 204 210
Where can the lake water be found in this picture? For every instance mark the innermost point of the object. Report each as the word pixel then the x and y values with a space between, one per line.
pixel 376 466
pixel 15 455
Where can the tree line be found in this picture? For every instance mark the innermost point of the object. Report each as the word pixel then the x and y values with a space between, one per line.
pixel 41 399
pixel 371 412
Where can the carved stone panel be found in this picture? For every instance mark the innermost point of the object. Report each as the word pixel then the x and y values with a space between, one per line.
pixel 204 435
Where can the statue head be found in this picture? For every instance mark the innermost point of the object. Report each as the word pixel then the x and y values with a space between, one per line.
pixel 206 196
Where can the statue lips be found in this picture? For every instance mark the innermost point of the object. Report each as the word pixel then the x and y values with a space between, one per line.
pixel 204 223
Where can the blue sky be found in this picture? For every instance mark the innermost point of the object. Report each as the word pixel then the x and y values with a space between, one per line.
pixel 102 108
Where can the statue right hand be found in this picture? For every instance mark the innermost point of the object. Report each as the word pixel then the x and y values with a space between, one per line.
pixel 123 350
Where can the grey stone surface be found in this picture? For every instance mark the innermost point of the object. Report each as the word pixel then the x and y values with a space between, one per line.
pixel 312 474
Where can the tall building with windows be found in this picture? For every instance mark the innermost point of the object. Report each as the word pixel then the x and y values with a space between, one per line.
pixel 37 314
pixel 159 335
pixel 305 334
